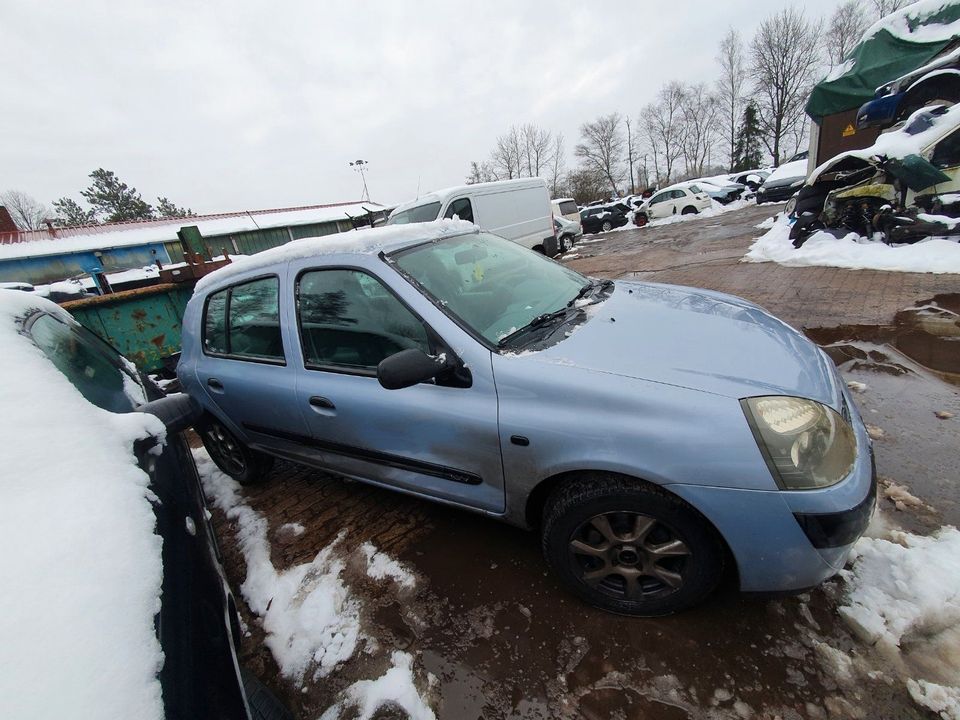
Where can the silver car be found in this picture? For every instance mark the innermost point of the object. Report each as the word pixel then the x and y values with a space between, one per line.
pixel 656 436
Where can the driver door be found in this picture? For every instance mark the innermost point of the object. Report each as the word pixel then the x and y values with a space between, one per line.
pixel 429 439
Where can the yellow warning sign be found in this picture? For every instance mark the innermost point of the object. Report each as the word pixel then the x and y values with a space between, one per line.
pixel 849 130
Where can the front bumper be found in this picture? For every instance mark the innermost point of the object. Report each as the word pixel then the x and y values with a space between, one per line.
pixel 786 542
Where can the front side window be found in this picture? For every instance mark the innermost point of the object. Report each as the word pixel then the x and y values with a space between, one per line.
pixel 492 285
pixel 947 152
pixel 659 198
pixel 461 208
pixel 421 213
pixel 89 364
pixel 243 321
pixel 350 320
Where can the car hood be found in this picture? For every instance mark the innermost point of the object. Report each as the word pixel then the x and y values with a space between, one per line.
pixel 787 173
pixel 696 339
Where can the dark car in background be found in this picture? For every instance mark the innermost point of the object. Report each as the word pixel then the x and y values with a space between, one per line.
pixel 196 618
pixel 603 218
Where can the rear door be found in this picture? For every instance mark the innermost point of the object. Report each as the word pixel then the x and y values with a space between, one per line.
pixel 439 440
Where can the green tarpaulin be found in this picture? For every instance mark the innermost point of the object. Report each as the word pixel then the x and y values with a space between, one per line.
pixel 895 46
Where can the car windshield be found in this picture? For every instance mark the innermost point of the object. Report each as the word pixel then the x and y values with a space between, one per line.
pixel 421 213
pixel 492 285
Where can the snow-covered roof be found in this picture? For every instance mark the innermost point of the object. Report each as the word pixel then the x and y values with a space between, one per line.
pixel 367 241
pixel 98 237
pixel 442 195
pixel 81 565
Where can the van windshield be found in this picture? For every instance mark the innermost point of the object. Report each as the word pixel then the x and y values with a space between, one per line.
pixel 421 213
pixel 490 284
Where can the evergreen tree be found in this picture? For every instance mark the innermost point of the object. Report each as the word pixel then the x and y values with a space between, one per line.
pixel 167 209
pixel 69 213
pixel 748 153
pixel 112 198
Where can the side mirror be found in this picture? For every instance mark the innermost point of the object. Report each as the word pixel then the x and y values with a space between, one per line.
pixel 409 367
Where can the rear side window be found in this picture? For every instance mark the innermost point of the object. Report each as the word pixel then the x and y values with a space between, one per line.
pixel 461 208
pixel 349 320
pixel 423 213
pixel 243 321
pixel 568 207
pixel 947 152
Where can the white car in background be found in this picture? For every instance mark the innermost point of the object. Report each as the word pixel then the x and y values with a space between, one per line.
pixel 567 209
pixel 681 199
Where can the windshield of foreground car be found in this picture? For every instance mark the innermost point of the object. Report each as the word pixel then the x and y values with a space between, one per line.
pixel 494 286
pixel 421 213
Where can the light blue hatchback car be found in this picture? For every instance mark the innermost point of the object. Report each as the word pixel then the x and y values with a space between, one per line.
pixel 655 435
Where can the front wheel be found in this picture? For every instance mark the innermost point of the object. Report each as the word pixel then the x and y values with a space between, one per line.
pixel 630 548
pixel 640 219
pixel 244 465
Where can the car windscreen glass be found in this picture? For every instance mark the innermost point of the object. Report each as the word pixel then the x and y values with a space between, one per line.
pixel 421 213
pixel 88 363
pixel 568 207
pixel 490 284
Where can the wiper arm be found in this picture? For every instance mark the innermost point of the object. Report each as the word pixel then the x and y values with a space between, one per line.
pixel 589 289
pixel 538 322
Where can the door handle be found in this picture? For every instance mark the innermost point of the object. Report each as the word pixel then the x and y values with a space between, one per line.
pixel 322 403
pixel 215 385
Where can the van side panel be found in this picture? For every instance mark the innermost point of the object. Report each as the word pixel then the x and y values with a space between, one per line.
pixel 523 216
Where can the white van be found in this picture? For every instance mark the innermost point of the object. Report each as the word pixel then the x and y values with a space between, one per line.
pixel 567 209
pixel 518 210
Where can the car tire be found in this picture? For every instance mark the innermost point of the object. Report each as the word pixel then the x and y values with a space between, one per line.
pixel 689 210
pixel 263 704
pixel 628 547
pixel 607 226
pixel 640 219
pixel 244 465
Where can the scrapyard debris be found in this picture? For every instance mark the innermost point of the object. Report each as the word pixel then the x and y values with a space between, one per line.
pixel 887 192
pixel 943 414
pixel 857 386
pixel 875 432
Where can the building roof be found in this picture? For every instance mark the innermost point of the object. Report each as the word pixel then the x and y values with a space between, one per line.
pixel 140 232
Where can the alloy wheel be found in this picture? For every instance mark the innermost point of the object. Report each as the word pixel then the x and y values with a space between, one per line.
pixel 226 449
pixel 629 556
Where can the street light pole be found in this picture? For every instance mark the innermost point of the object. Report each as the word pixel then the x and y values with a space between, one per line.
pixel 360 166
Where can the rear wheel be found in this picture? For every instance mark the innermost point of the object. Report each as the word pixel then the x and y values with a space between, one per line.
pixel 628 547
pixel 244 465
pixel 689 210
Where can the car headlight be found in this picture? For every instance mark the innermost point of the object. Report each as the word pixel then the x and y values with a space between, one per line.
pixel 806 445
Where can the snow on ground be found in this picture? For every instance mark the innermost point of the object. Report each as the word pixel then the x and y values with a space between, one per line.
pixel 394 688
pixel 311 621
pixel 712 211
pixel 81 565
pixel 381 565
pixel 904 599
pixel 935 255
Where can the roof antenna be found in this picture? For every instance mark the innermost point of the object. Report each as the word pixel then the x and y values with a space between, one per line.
pixel 418 188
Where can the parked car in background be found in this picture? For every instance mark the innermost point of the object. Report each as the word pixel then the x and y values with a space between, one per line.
pixel 936 83
pixel 135 598
pixel 753 179
pixel 604 218
pixel 567 209
pixel 567 232
pixel 681 199
pixel 518 210
pixel 450 364
pixel 724 192
pixel 784 181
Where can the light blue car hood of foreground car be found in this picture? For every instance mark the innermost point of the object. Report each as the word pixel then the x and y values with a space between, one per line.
pixel 696 339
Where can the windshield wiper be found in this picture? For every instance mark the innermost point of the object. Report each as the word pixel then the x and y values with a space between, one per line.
pixel 538 322
pixel 589 289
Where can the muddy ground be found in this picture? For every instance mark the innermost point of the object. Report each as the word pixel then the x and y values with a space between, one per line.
pixel 495 637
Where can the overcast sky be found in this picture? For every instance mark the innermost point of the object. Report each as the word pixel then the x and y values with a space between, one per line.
pixel 235 106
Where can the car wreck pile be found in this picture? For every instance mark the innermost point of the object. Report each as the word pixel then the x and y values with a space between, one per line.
pixel 902 189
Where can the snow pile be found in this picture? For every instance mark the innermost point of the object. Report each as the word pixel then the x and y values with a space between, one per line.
pixel 906 594
pixel 935 255
pixel 712 211
pixel 312 622
pixel 81 566
pixel 394 688
pixel 381 566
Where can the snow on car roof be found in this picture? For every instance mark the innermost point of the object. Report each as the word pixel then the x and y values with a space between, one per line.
pixel 82 571
pixel 367 241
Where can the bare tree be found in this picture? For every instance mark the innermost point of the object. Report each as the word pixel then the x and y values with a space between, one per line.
pixel 699 114
pixel 885 7
pixel 26 212
pixel 843 33
pixel 783 67
pixel 557 164
pixel 480 172
pixel 662 126
pixel 731 88
pixel 630 138
pixel 601 148
pixel 507 155
pixel 586 185
pixel 537 143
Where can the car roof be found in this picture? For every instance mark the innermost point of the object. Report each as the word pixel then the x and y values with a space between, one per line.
pixel 367 241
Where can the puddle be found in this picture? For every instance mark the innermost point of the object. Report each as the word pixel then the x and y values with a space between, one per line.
pixel 928 334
